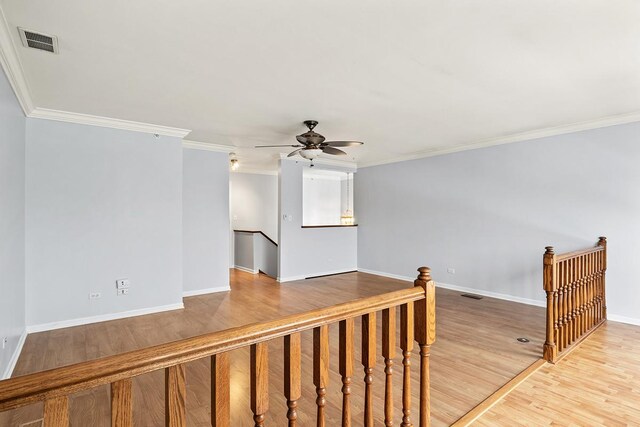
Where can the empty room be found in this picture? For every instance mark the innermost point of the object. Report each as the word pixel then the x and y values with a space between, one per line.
pixel 296 213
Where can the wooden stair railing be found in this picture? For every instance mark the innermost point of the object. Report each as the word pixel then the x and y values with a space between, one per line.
pixel 576 297
pixel 417 307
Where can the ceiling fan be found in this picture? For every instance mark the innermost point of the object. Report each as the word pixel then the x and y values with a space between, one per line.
pixel 312 144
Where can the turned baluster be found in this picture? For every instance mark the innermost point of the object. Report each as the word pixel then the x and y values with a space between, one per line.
pixel 425 335
pixel 346 367
pixel 321 369
pixel 602 241
pixel 561 328
pixel 406 344
pixel 292 386
pixel 582 301
pixel 575 268
pixel 259 382
pixel 388 352
pixel 56 412
pixel 567 314
pixel 588 308
pixel 368 362
pixel 571 300
pixel 121 403
pixel 175 396
pixel 220 397
pixel 595 292
pixel 550 284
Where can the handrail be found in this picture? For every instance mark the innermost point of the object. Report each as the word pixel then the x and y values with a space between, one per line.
pixel 257 232
pixel 24 390
pixel 567 255
pixel 575 284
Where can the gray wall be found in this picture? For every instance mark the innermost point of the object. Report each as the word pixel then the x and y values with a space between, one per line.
pixel 12 229
pixel 305 252
pixel 489 213
pixel 205 221
pixel 101 204
pixel 244 251
pixel 265 255
pixel 256 253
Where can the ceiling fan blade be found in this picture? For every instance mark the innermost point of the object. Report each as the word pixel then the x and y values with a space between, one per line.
pixel 269 146
pixel 334 151
pixel 342 143
pixel 294 152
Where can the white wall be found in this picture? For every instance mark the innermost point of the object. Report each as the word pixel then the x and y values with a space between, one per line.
pixel 321 199
pixel 254 203
pixel 205 221
pixel 101 204
pixel 489 213
pixel 12 229
pixel 305 252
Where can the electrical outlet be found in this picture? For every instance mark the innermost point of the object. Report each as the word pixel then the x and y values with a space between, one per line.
pixel 122 284
pixel 95 295
pixel 451 270
pixel 5 340
pixel 123 291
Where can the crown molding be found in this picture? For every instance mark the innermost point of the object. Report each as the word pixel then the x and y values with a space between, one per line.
pixel 196 145
pixel 516 137
pixel 87 119
pixel 12 66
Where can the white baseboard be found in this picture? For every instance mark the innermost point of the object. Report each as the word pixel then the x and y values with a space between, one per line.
pixel 245 269
pixel 102 318
pixel 623 319
pixel 14 357
pixel 320 273
pixel 482 292
pixel 205 291
pixel 490 294
pixel 389 275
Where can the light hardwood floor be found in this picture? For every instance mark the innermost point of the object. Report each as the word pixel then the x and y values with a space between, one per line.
pixel 476 352
pixel 598 384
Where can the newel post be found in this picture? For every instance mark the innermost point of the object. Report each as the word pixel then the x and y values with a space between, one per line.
pixel 550 351
pixel 425 335
pixel 602 241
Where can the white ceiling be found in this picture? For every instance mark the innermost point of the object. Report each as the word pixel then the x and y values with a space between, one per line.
pixel 407 78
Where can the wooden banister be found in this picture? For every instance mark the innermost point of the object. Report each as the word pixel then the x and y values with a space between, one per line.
pixel 346 367
pixel 220 390
pixel 425 335
pixel 406 344
pixel 121 403
pixel 292 383
pixel 417 310
pixel 368 363
pixel 63 381
pixel 259 382
pixel 388 352
pixel 576 301
pixel 321 369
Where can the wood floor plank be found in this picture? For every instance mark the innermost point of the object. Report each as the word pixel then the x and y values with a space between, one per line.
pixel 598 383
pixel 476 347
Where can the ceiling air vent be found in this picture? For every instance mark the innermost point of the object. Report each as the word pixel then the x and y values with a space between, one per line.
pixel 38 40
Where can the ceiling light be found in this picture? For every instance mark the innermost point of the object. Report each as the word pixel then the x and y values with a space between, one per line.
pixel 310 153
pixel 235 164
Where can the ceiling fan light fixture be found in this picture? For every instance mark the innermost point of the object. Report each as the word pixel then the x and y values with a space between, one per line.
pixel 310 153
